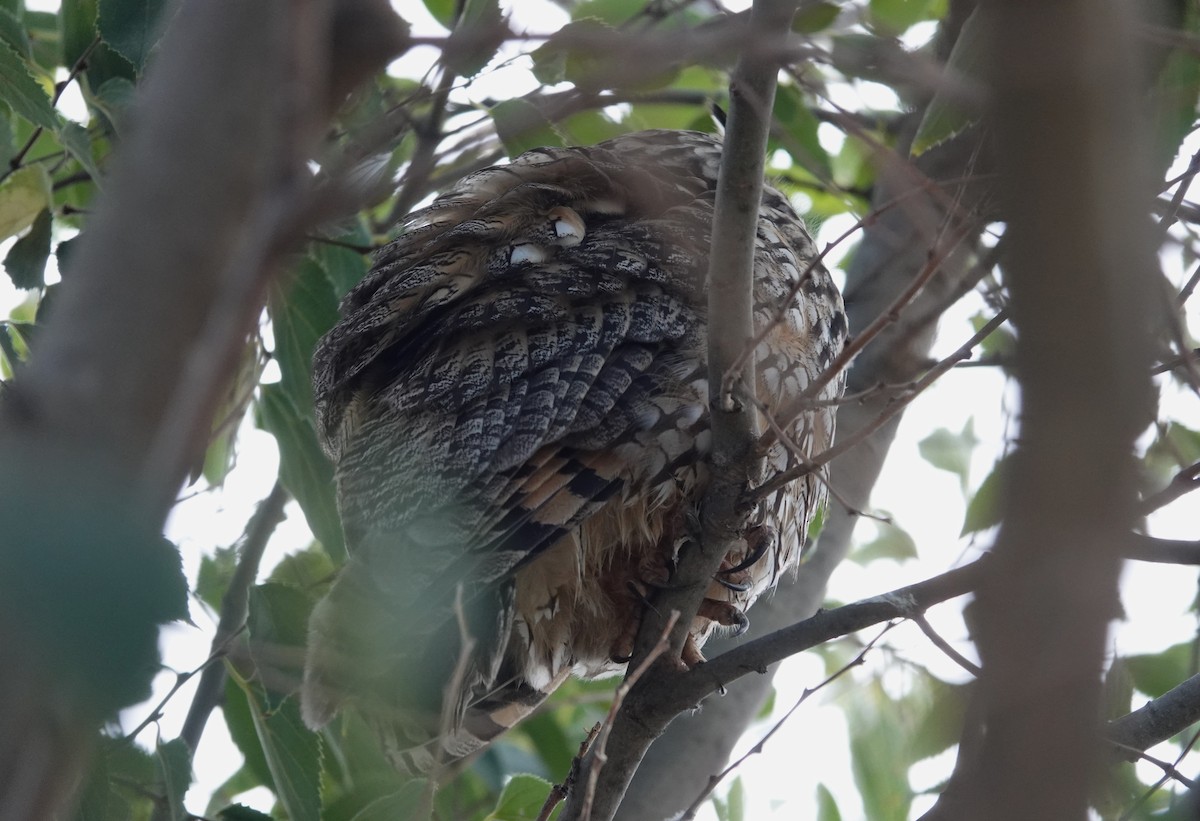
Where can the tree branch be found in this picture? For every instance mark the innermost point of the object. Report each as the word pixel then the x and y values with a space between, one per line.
pixel 1158 719
pixel 1080 272
pixel 213 141
pixel 733 462
pixel 234 606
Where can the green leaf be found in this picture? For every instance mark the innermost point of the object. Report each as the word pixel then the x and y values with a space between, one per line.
pixel 175 775
pixel 344 267
pixel 572 55
pixel 278 615
pixel 478 33
pixel 613 12
pixel 78 143
pixel 12 32
pixel 893 542
pixel 117 782
pixel 113 99
pixel 852 167
pixel 521 126
pixel 951 451
pixel 96 800
pixel 23 93
pixel 303 468
pixel 946 116
pixel 219 457
pixel 1176 90
pixel 550 740
pixel 45 39
pixel 26 260
pixel 239 720
pixel 735 801
pixel 827 808
pixel 814 17
pixel 305 569
pixel 442 11
pixel 1156 673
pixel 412 801
pixel 277 625
pixel 1174 446
pixel 81 539
pixel 8 148
pixel 984 510
pixel 216 571
pixel 131 27
pixel 522 799
pixel 23 195
pixel 301 312
pixel 896 16
pixel 938 709
pixel 291 750
pixel 880 770
pixel 587 128
pixel 793 113
pixel 79 35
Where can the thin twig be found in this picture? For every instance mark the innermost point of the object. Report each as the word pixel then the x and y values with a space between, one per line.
pixel 943 645
pixel 1169 772
pixel 600 757
pixel 894 406
pixel 926 186
pixel 854 346
pixel 560 791
pixel 429 137
pixel 234 607
pixel 714 780
pixel 1185 481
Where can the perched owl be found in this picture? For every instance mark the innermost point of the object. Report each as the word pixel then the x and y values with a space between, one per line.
pixel 516 405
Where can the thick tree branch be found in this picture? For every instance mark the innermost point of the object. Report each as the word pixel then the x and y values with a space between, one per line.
pixel 1081 274
pixel 235 103
pixel 1158 719
pixel 757 655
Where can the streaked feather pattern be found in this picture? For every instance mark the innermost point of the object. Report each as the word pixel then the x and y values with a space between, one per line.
pixel 515 402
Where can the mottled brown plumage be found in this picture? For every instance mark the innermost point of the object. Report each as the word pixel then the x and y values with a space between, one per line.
pixel 516 405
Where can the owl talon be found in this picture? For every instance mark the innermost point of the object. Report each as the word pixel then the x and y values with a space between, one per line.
pixel 758 539
pixel 730 584
pixel 690 656
pixel 724 614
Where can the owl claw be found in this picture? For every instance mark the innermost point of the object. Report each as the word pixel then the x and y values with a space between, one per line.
pixel 758 539
pixel 730 584
pixel 724 614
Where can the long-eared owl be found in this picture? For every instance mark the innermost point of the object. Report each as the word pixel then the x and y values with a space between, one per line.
pixel 515 402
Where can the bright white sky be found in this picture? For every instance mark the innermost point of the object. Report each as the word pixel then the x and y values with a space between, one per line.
pixel 928 503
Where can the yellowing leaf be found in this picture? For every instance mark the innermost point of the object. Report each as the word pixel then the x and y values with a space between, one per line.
pixel 23 196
